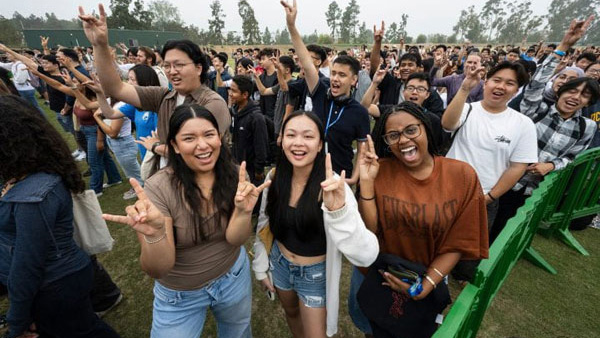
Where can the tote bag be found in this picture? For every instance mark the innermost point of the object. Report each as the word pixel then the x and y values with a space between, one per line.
pixel 89 228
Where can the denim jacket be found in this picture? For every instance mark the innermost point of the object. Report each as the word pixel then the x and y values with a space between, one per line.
pixel 36 242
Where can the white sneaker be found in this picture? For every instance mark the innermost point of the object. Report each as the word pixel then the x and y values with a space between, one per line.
pixel 108 185
pixel 76 153
pixel 129 194
pixel 81 156
pixel 98 194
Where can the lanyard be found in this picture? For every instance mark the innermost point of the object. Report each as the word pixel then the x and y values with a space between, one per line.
pixel 329 123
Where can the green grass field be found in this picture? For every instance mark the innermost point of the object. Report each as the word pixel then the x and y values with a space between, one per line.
pixel 532 303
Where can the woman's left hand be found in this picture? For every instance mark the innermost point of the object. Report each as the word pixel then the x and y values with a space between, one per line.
pixel 247 194
pixel 334 189
pixel 399 286
pixel 148 141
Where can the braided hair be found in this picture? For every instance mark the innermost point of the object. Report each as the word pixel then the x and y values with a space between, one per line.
pixel 381 148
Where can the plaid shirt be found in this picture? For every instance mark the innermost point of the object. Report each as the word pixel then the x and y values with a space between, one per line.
pixel 559 140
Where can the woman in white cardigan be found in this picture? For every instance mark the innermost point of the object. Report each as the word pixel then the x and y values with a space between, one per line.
pixel 308 219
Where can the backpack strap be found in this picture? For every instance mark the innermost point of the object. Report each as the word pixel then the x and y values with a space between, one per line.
pixel 457 129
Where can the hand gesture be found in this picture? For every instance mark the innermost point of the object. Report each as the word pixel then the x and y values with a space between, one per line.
pixel 247 194
pixel 473 76
pixel 67 78
pixel 148 141
pixel 95 29
pixel 378 34
pixel 3 48
pixel 143 216
pixel 252 71
pixel 334 189
pixel 44 41
pixel 368 165
pixel 94 85
pixel 380 74
pixel 575 32
pixel 290 12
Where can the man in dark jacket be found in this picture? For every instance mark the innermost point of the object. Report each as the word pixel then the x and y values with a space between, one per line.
pixel 248 129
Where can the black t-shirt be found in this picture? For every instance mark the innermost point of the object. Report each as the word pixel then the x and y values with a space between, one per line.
pixel 56 97
pixel 346 124
pixel 299 90
pixel 267 103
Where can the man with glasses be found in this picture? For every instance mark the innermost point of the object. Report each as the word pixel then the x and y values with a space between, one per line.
pixel 186 67
pixel 417 90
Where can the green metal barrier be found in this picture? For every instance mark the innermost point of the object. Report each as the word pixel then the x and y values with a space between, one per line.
pixel 579 198
pixel 514 241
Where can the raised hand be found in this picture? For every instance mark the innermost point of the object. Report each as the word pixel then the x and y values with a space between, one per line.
pixel 291 11
pixel 473 76
pixel 368 165
pixel 378 34
pixel 44 41
pixel 380 74
pixel 247 194
pixel 148 141
pixel 334 189
pixel 67 78
pixel 575 31
pixel 143 216
pixel 95 29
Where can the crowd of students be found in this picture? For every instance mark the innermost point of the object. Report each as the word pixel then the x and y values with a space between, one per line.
pixel 393 158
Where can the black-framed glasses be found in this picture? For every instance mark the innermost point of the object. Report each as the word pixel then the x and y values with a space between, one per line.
pixel 410 132
pixel 419 89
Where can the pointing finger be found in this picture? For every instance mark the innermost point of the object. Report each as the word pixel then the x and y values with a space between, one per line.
pixel 118 219
pixel 139 191
pixel 328 166
pixel 242 175
pixel 262 187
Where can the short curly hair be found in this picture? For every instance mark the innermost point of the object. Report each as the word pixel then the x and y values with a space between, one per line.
pixel 30 144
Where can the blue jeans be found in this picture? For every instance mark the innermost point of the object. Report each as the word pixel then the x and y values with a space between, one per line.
pixel 182 313
pixel 358 318
pixel 308 281
pixel 125 150
pixel 99 161
pixel 29 95
pixel 66 122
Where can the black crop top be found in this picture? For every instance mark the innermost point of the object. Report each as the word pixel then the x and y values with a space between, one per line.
pixel 309 245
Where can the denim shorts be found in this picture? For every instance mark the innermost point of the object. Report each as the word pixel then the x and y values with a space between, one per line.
pixel 308 281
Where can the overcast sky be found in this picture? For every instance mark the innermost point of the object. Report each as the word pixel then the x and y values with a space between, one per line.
pixel 425 16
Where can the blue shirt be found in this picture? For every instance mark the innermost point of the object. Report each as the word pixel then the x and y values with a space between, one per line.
pixel 145 123
pixel 36 242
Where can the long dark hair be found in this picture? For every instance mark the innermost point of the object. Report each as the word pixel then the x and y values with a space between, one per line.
pixel 311 216
pixel 145 75
pixel 383 149
pixel 30 144
pixel 184 178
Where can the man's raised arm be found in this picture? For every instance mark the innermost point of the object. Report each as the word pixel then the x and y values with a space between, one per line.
pixel 96 31
pixel 311 74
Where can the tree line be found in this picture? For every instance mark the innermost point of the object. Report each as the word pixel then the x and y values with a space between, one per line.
pixel 495 21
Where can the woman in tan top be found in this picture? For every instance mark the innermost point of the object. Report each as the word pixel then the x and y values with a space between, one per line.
pixel 192 219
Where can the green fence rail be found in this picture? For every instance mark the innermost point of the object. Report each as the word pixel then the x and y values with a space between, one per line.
pixel 563 196
pixel 579 198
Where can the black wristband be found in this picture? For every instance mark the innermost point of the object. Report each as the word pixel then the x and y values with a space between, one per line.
pixel 365 199
pixel 153 149
pixel 491 197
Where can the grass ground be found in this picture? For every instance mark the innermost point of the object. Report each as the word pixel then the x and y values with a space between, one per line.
pixel 531 304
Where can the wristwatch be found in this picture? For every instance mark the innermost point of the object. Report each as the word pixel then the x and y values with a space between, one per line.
pixel 156 144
